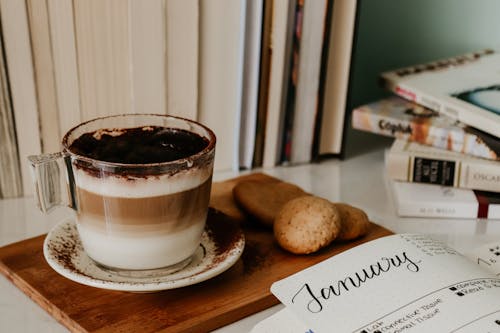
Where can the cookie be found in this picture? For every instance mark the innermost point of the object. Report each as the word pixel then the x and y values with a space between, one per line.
pixel 306 224
pixel 354 222
pixel 263 199
pixel 221 196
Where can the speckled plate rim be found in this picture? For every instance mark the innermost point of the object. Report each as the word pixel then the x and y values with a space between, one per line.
pixel 221 262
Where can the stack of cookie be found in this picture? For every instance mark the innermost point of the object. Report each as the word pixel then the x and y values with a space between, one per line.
pixel 302 223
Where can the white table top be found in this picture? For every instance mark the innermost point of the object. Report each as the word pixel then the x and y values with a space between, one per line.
pixel 359 181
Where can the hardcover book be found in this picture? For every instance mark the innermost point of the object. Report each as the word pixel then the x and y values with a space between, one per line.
pixel 220 76
pixel 262 77
pixel 250 90
pixel 312 42
pixel 425 200
pixel 10 172
pixel 402 119
pixel 412 282
pixel 338 71
pixel 282 30
pixel 24 106
pixel 291 84
pixel 466 88
pixel 413 162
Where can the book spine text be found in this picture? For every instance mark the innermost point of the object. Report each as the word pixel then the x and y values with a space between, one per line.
pixel 428 170
pixel 455 139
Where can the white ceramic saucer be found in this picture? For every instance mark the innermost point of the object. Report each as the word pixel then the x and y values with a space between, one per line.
pixel 64 252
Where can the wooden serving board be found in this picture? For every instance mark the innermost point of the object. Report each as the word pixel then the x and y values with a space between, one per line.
pixel 236 293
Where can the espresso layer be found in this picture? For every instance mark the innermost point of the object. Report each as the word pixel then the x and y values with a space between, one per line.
pixel 164 213
pixel 142 145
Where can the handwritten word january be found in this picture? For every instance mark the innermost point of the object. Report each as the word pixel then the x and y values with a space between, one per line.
pixel 316 299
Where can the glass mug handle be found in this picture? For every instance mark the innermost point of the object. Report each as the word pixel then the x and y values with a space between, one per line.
pixel 53 180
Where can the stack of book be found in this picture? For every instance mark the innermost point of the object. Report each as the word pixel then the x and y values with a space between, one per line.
pixel 296 111
pixel 445 159
pixel 269 77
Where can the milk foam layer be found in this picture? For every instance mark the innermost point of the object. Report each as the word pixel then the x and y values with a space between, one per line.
pixel 154 251
pixel 142 187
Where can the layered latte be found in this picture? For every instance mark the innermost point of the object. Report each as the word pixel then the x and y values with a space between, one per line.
pixel 140 212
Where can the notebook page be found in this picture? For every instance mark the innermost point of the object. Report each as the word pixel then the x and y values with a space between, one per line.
pixel 399 283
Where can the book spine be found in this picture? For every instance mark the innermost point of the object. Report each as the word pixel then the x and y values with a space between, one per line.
pixel 291 85
pixel 251 70
pixel 283 12
pixel 437 210
pixel 220 76
pixel 21 79
pixel 43 66
pixel 481 207
pixel 416 168
pixel 338 73
pixel 154 60
pixel 458 141
pixel 67 86
pixel 10 172
pixel 265 67
pixel 306 106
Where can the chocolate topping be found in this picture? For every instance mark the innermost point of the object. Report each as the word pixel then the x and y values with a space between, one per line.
pixel 142 145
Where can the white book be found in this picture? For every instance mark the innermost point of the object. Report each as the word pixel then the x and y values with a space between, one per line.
pixel 182 24
pixel 18 53
pixel 394 284
pixel 281 45
pixel 306 102
pixel 65 63
pixel 413 162
pixel 465 88
pixel 251 69
pixel 103 57
pixel 48 115
pixel 10 173
pixel 337 76
pixel 222 28
pixel 148 37
pixel 424 200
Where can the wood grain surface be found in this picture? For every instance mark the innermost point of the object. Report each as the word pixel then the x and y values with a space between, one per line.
pixel 240 291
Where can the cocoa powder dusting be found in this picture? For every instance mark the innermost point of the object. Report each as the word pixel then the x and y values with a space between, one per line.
pixel 253 257
pixel 223 230
pixel 65 249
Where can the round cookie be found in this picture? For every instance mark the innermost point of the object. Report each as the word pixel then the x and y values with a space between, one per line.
pixel 306 224
pixel 263 200
pixel 354 222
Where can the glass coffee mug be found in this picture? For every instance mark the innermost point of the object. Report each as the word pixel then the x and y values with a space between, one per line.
pixel 139 184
